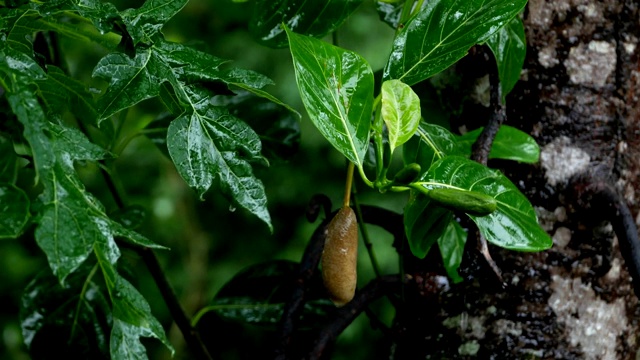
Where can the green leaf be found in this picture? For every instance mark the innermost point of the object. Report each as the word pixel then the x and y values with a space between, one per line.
pixel 145 22
pixel 313 18
pixel 400 111
pixel 278 129
pixel 509 46
pixel 513 225
pixel 130 80
pixel 14 211
pixel 451 245
pixel 207 144
pixel 60 92
pixel 424 223
pixel 336 87
pixel 509 144
pixel 132 316
pixel 70 320
pixel 71 220
pixel 258 294
pixel 441 33
pixel 429 144
pixel 214 147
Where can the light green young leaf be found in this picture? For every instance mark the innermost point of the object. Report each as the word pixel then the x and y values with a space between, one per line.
pixel 14 210
pixel 400 111
pixel 312 18
pixel 451 245
pixel 442 32
pixel 513 225
pixel 509 144
pixel 509 46
pixel 336 87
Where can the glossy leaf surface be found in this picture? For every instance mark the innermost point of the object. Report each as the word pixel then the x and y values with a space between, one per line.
pixel 145 22
pixel 441 33
pixel 60 92
pixel 509 46
pixel 309 17
pixel 429 144
pixel 509 144
pixel 513 225
pixel 205 149
pixel 424 223
pixel 14 210
pixel 336 87
pixel 390 12
pixel 400 111
pixel 71 320
pixel 451 245
pixel 257 295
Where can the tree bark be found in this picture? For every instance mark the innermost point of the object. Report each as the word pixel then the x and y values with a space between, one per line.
pixel 578 97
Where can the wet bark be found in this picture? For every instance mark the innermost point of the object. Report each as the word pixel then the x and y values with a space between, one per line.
pixel 578 96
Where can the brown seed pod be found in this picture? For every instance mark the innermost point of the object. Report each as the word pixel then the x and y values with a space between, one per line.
pixel 340 256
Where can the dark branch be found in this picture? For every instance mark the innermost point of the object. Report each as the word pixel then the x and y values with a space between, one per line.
pixel 295 305
pixel 482 147
pixel 345 315
pixel 603 200
pixel 191 335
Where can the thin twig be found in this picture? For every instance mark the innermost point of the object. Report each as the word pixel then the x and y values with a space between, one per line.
pixel 365 233
pixel 293 308
pixel 345 315
pixel 482 147
pixel 601 198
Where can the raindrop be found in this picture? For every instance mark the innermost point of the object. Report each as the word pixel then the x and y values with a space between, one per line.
pixel 232 208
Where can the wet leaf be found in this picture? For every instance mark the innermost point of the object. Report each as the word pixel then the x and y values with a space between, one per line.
pixel 314 18
pixel 213 147
pixel 509 46
pixel 278 129
pixel 424 223
pixel 429 144
pixel 14 210
pixel 513 225
pixel 451 245
pixel 60 92
pixel 132 316
pixel 509 144
pixel 257 295
pixel 70 320
pixel 400 111
pixel 145 22
pixel 336 87
pixel 71 220
pixel 7 160
pixel 442 32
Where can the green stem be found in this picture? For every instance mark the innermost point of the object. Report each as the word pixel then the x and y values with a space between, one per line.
pixel 406 13
pixel 417 8
pixel 348 185
pixel 365 234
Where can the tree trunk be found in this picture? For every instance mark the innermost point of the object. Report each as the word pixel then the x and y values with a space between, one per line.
pixel 578 97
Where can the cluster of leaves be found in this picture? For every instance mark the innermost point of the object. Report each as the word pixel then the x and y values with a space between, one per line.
pixel 209 145
pixel 337 88
pixel 52 116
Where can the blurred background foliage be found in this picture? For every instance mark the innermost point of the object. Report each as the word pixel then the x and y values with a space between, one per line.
pixel 210 241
